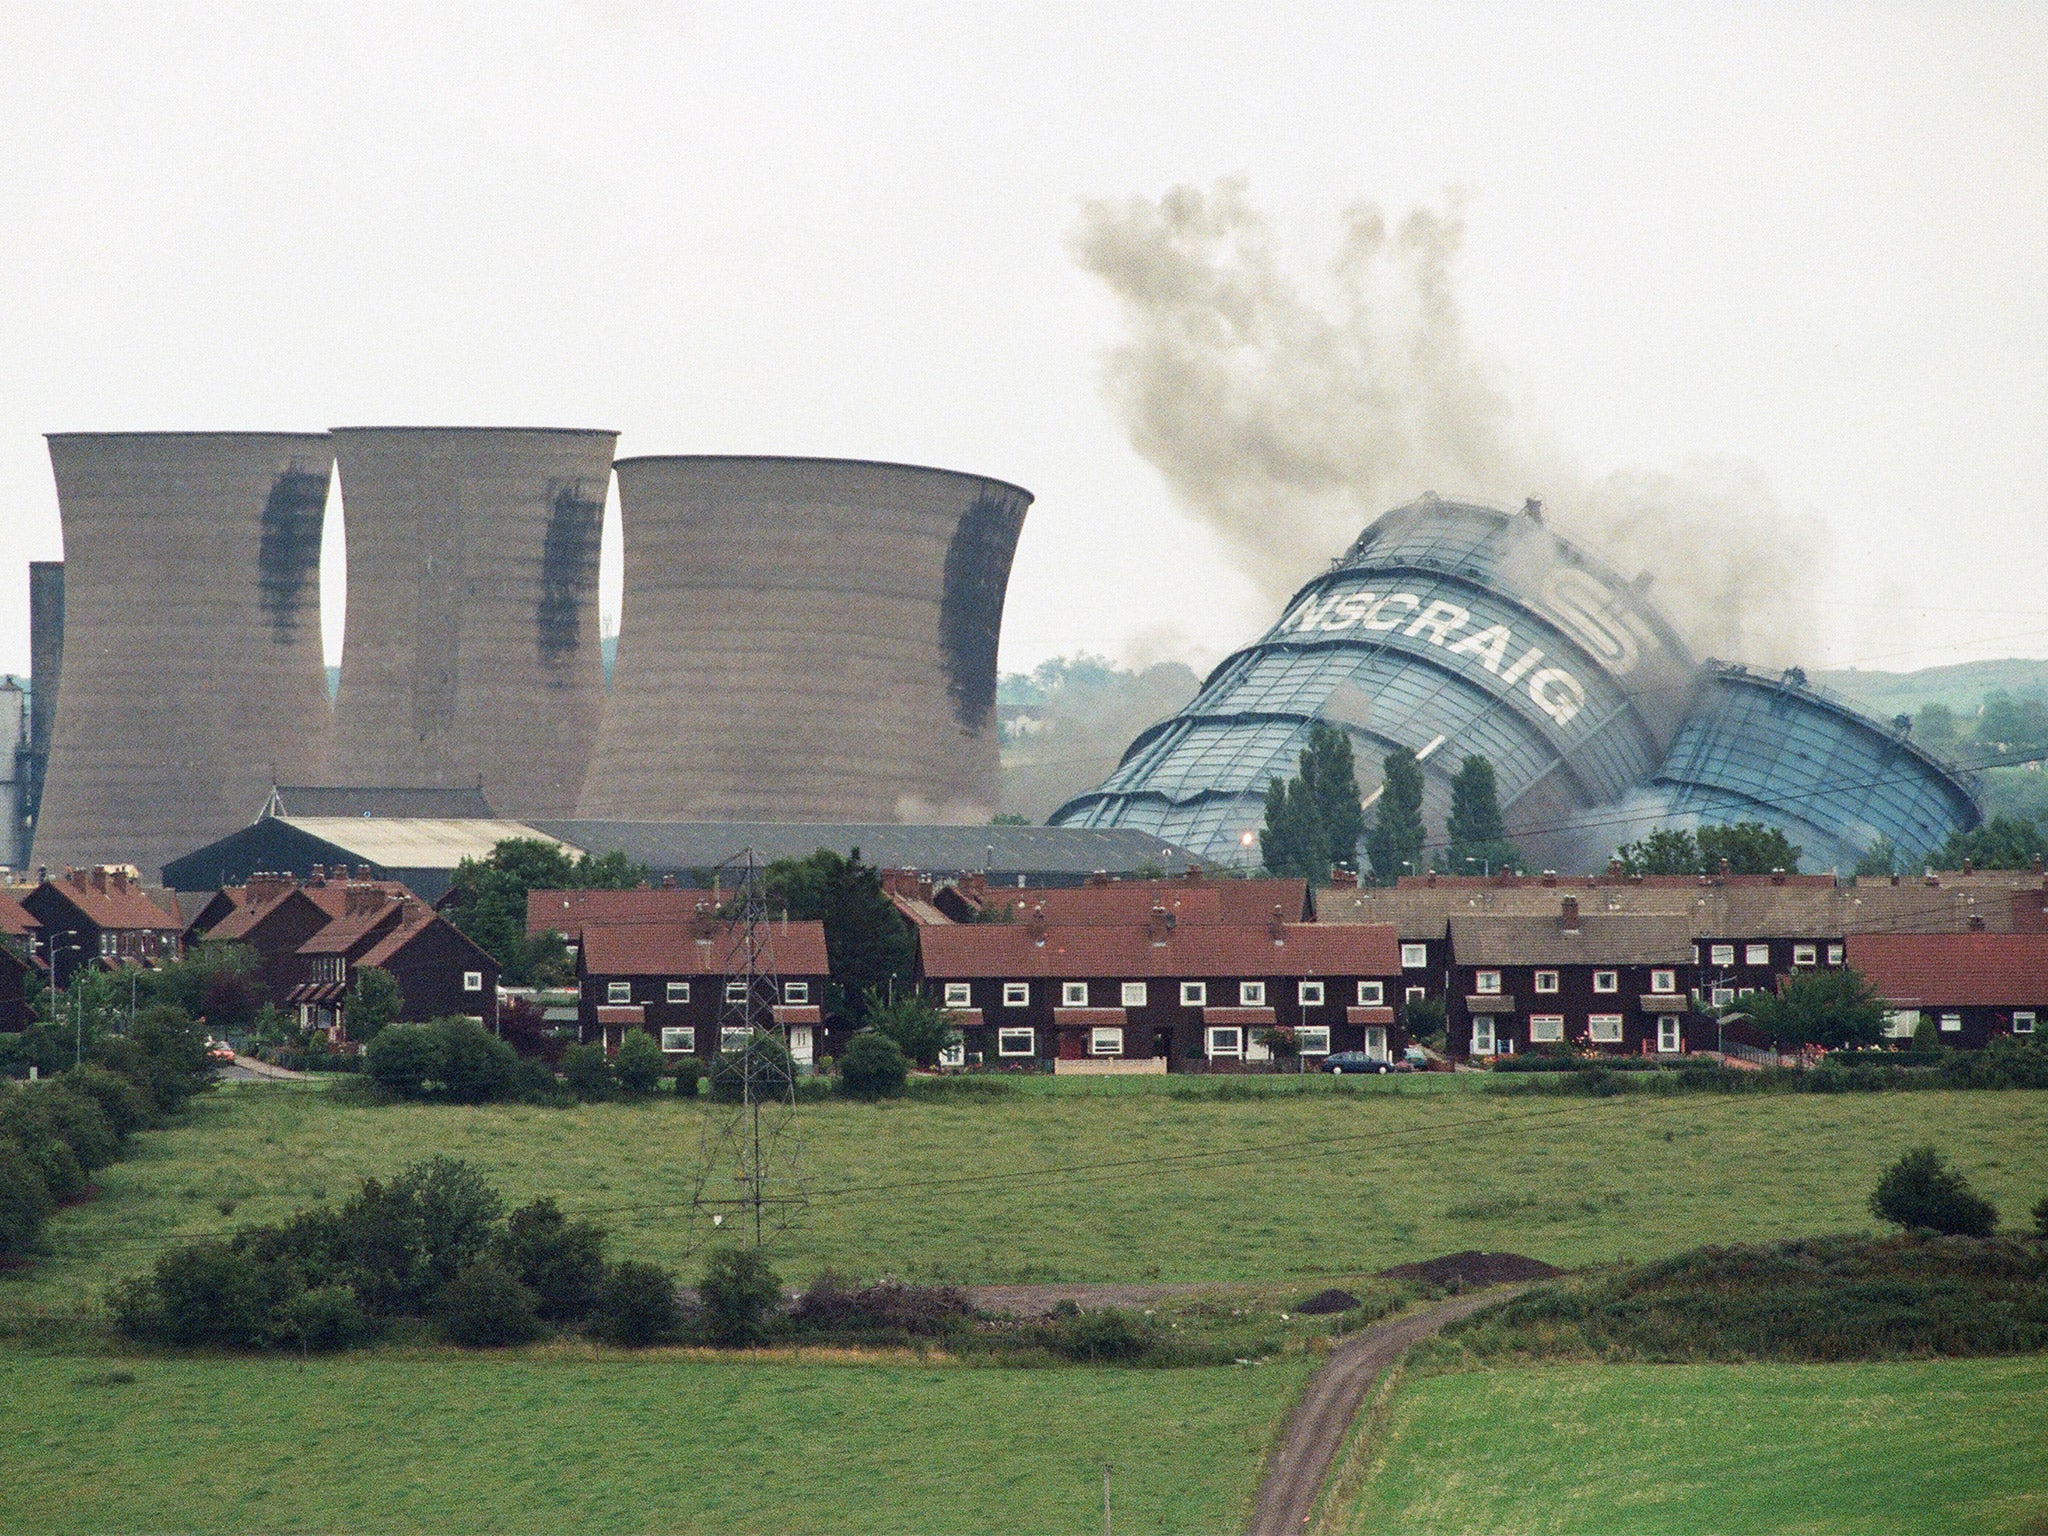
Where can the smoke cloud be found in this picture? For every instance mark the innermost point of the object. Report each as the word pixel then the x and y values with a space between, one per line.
pixel 1286 421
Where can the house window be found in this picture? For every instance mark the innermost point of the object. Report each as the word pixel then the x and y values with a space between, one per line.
pixel 1226 1040
pixel 732 1040
pixel 1194 994
pixel 1486 983
pixel 1606 981
pixel 959 994
pixel 1251 994
pixel 1834 954
pixel 1804 954
pixel 1372 994
pixel 1951 1023
pixel 1667 1034
pixel 1722 954
pixel 472 981
pixel 1313 1039
pixel 1723 996
pixel 679 1040
pixel 1664 982
pixel 1900 1023
pixel 735 991
pixel 1134 994
pixel 953 1053
pixel 796 992
pixel 2023 1023
pixel 1016 994
pixel 1312 994
pixel 1756 954
pixel 1414 956
pixel 1106 1042
pixel 1415 994
pixel 1604 1028
pixel 1742 992
pixel 1016 1042
pixel 618 991
pixel 1546 1028
pixel 1073 994
pixel 1482 1037
pixel 1546 981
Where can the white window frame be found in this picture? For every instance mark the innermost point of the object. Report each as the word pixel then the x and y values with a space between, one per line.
pixel 1414 957
pixel 1670 1039
pixel 1805 954
pixel 472 981
pixel 1251 994
pixel 1105 1040
pixel 1604 1028
pixel 1194 994
pixel 1721 954
pixel 618 992
pixel 2023 1021
pixel 1899 1023
pixel 1742 992
pixel 735 991
pixel 1723 996
pixel 1756 954
pixel 1546 982
pixel 1016 994
pixel 1134 994
pixel 1376 1041
pixel 1483 1041
pixel 1546 1029
pixel 1073 994
pixel 1310 994
pixel 1606 982
pixel 1951 1023
pixel 1372 994
pixel 1486 983
pixel 959 994
pixel 677 992
pixel 1415 995
pixel 1312 1039
pixel 953 1053
pixel 1834 954
pixel 732 1037
pixel 1664 983
pixel 1224 1040
pixel 679 1039
pixel 1016 1040
pixel 796 993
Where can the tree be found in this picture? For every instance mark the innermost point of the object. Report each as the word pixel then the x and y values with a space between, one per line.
pixel 1920 1191
pixel 872 1066
pixel 213 981
pixel 2004 842
pixel 1665 851
pixel 1293 841
pixel 920 1030
pixel 560 1261
pixel 489 901
pixel 2014 724
pixel 1475 831
pixel 1829 1009
pixel 1394 845
pixel 1936 727
pixel 639 1065
pixel 867 943
pixel 1880 859
pixel 1314 820
pixel 738 1291
pixel 372 1002
pixel 1748 847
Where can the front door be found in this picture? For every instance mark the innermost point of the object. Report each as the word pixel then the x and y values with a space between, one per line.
pixel 800 1044
pixel 1667 1035
pixel 1482 1037
pixel 1376 1041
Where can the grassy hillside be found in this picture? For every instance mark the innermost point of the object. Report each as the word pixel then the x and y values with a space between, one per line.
pixel 1929 1447
pixel 1961 687
pixel 1161 1187
pixel 569 1440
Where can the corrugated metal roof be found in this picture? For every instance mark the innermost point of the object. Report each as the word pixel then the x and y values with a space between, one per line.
pixel 377 801
pixel 417 842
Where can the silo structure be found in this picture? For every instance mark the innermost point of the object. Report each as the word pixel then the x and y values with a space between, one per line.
pixel 192 671
pixel 1451 629
pixel 472 650
pixel 806 640
pixel 1770 747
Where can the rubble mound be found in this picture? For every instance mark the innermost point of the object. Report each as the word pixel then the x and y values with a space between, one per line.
pixel 1327 1301
pixel 1473 1268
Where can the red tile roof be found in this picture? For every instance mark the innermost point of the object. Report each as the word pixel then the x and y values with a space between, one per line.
pixel 112 902
pixel 693 949
pixel 417 919
pixel 1958 970
pixel 15 919
pixel 570 912
pixel 1099 950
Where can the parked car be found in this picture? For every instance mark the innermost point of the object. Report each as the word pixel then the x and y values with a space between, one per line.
pixel 1358 1061
pixel 221 1052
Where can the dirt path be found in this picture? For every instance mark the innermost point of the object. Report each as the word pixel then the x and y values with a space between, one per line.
pixel 1316 1433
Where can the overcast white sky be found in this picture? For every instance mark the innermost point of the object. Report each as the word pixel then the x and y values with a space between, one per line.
pixel 1810 237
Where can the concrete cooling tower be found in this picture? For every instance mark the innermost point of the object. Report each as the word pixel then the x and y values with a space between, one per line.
pixel 1449 629
pixel 472 649
pixel 805 640
pixel 192 671
pixel 1770 748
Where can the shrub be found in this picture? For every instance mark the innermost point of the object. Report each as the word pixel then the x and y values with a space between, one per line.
pixel 25 1200
pixel 168 1050
pixel 534 1082
pixel 764 1061
pixel 872 1066
pixel 122 1099
pixel 919 1029
pixel 1922 1191
pixel 560 1261
pixel 372 1002
pixel 484 1307
pixel 53 1111
pixel 588 1072
pixel 328 1317
pixel 638 1068
pixel 60 1168
pixel 398 1244
pixel 636 1305
pixel 890 1307
pixel 203 1293
pixel 1926 1037
pixel 476 1066
pixel 404 1058
pixel 689 1075
pixel 1108 1337
pixel 738 1293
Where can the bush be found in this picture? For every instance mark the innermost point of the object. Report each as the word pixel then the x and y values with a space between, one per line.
pixel 588 1072
pixel 689 1075
pixel 1108 1337
pixel 872 1067
pixel 60 1168
pixel 889 1308
pixel 405 1059
pixel 484 1307
pixel 1926 1037
pixel 122 1099
pixel 534 1082
pixel 764 1059
pixel 372 1002
pixel 204 1293
pixel 25 1200
pixel 560 1261
pixel 738 1293
pixel 637 1305
pixel 1921 1191
pixel 52 1111
pixel 476 1066
pixel 168 1052
pixel 328 1317
pixel 921 1031
pixel 399 1244
pixel 638 1068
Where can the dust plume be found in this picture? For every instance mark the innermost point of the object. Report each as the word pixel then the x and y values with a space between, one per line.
pixel 1286 420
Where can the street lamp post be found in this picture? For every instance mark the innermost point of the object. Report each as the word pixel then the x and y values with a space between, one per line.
pixel 72 944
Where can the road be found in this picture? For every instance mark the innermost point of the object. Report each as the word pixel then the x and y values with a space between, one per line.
pixel 1316 1433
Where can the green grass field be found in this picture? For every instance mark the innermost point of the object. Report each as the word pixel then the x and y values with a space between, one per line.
pixel 1269 1189
pixel 1914 1449
pixel 558 1441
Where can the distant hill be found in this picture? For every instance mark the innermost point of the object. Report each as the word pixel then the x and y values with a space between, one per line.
pixel 1961 687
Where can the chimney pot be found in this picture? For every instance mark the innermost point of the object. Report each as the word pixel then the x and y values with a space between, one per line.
pixel 1976 922
pixel 1777 877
